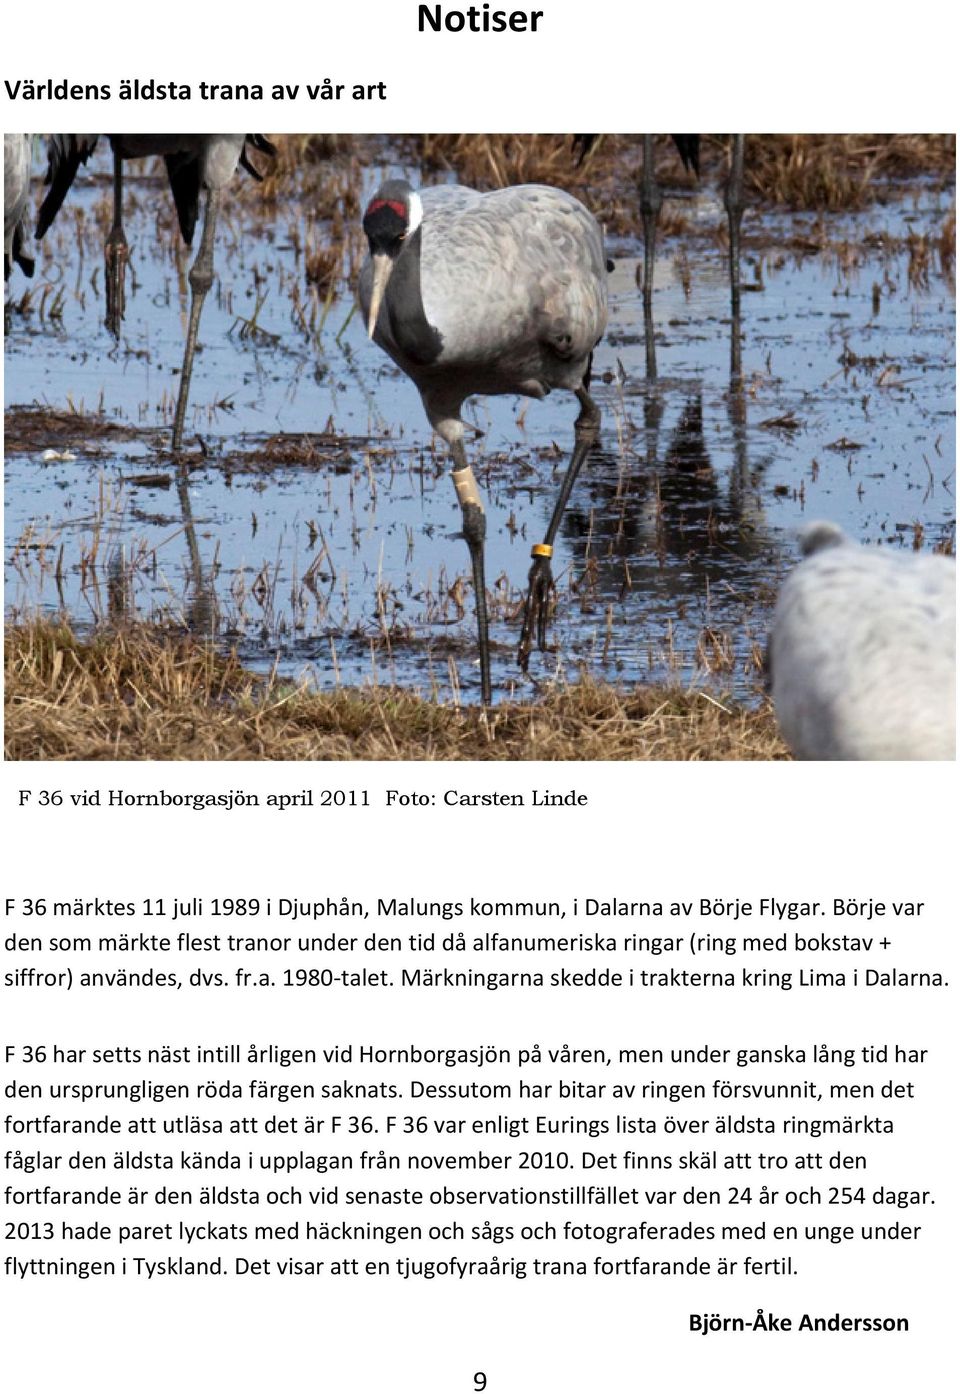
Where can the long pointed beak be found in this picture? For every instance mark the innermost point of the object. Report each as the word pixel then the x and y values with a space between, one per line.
pixel 382 267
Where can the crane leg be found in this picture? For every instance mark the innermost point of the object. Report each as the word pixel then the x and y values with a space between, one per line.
pixel 201 279
pixel 540 581
pixel 474 532
pixel 116 254
pixel 734 204
pixel 651 201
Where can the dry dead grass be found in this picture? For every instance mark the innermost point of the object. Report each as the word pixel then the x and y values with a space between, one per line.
pixel 142 694
pixel 836 172
pixel 803 172
pixel 33 429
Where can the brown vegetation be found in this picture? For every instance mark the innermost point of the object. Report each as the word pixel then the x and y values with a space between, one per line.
pixel 144 694
pixel 790 169
pixel 29 430
pixel 802 172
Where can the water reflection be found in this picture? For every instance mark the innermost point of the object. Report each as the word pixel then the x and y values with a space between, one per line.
pixel 680 525
pixel 202 612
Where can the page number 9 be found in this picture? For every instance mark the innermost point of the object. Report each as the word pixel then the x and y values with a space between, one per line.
pixel 479 1382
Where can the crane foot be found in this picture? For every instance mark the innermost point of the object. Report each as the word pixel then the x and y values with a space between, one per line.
pixel 537 609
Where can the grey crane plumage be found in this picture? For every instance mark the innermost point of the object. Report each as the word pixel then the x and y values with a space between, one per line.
pixel 17 152
pixel 863 652
pixel 194 163
pixel 494 293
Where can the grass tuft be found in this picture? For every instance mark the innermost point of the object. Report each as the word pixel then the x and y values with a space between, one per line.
pixel 142 693
pixel 801 172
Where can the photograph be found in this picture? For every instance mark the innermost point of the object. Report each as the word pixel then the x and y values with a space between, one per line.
pixel 548 447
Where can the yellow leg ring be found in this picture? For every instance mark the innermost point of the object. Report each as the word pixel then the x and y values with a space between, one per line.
pixel 541 549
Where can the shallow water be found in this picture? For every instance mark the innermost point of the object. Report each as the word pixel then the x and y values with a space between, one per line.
pixel 337 558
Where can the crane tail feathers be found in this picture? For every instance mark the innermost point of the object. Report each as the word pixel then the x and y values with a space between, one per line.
pixel 688 148
pixel 266 147
pixel 20 255
pixel 582 145
pixel 184 176
pixel 263 147
pixel 815 537
pixel 65 155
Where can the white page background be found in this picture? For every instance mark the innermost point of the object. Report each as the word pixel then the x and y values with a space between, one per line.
pixel 658 832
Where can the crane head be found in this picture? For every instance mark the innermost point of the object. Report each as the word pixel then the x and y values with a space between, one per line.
pixel 393 215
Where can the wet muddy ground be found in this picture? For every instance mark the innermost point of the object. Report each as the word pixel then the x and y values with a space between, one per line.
pixel 313 528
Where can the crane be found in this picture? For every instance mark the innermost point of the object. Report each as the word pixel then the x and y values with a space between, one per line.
pixel 862 654
pixel 193 162
pixel 17 151
pixel 501 292
pixel 651 201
